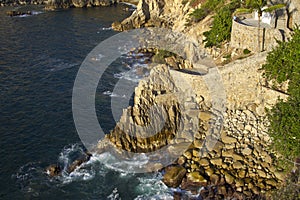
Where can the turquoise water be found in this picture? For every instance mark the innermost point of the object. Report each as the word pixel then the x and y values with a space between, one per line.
pixel 39 59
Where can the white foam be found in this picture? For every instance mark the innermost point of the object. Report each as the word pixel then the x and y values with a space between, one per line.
pixel 153 188
pixel 32 13
pixel 111 94
pixel 97 58
pixel 106 28
pixel 129 4
pixel 114 195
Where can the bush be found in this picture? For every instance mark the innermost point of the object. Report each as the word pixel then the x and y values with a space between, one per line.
pixel 246 51
pixel 283 65
pixel 221 28
pixel 206 8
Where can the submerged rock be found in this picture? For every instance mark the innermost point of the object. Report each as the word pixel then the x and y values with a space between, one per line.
pixel 53 170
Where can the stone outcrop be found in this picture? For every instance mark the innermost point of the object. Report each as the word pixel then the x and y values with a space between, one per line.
pixel 239 163
pixel 162 13
pixel 157 109
pixel 174 175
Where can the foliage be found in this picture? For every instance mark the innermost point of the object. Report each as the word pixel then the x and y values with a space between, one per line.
pixel 221 28
pixel 206 8
pixel 160 56
pixel 258 5
pixel 246 51
pixel 283 65
pixel 289 191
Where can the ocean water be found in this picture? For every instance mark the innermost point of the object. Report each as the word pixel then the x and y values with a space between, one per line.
pixel 39 59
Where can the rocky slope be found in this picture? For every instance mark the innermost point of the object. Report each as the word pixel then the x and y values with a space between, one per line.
pixel 239 163
pixel 162 13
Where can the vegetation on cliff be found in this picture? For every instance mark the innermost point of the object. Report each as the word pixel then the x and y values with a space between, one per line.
pixel 221 28
pixel 222 23
pixel 283 65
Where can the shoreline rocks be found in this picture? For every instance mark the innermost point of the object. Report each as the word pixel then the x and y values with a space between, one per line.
pixel 13 13
pixel 239 164
pixel 149 13
pixel 56 4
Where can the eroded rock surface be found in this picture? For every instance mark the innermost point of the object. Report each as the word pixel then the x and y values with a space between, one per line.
pixel 163 13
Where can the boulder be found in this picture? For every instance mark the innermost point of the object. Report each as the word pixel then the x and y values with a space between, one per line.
pixel 53 170
pixel 174 175
pixel 79 3
pixel 195 178
pixel 228 178
pixel 13 13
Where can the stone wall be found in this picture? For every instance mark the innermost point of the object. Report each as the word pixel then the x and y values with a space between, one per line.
pixel 253 38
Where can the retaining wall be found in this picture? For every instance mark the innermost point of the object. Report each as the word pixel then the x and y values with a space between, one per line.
pixel 253 38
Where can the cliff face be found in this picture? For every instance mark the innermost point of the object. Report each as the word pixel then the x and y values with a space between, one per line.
pixel 227 148
pixel 158 13
pixel 161 114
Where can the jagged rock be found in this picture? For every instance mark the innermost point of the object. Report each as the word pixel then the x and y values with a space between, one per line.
pixel 53 170
pixel 79 3
pixel 228 178
pixel 174 175
pixel 237 165
pixel 227 139
pixel 188 155
pixel 261 173
pixel 206 116
pixel 13 13
pixel 272 182
pixel 247 151
pixel 242 173
pixel 198 143
pixel 237 157
pixel 239 182
pixel 195 178
pixel 209 171
pixel 204 162
pixel 216 161
pixel 163 13
pixel 86 157
pixel 214 179
pixel 181 160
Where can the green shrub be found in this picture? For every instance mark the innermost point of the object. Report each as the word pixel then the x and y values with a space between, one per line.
pixel 160 56
pixel 221 28
pixel 206 8
pixel 199 14
pixel 246 51
pixel 283 65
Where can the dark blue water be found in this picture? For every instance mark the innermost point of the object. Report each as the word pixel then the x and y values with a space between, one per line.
pixel 39 59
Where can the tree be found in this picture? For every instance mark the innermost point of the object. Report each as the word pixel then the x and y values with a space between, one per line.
pixel 282 65
pixel 221 26
pixel 259 7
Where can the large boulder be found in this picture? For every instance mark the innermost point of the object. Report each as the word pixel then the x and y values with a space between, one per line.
pixel 79 3
pixel 174 175
pixel 53 170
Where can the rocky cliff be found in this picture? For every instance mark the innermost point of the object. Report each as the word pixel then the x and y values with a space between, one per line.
pixel 158 13
pixel 238 163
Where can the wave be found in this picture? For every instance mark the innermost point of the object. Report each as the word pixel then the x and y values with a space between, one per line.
pixel 111 94
pixel 33 180
pixel 53 64
pixel 32 13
